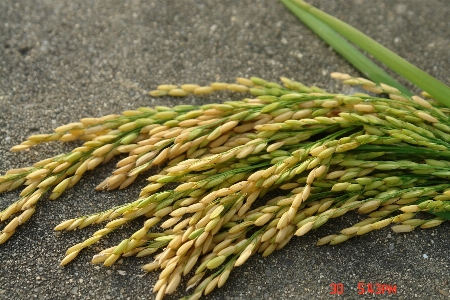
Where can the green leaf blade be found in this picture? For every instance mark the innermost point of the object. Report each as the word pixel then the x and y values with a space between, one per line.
pixel 423 80
pixel 344 48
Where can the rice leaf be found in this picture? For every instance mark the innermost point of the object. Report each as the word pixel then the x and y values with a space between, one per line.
pixel 348 51
pixel 423 80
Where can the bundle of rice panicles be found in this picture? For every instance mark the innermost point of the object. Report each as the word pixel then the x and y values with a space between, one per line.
pixel 325 153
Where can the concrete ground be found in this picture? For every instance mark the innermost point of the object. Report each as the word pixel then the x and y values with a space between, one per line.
pixel 64 60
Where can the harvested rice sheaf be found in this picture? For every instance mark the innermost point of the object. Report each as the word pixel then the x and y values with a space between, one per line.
pixel 327 153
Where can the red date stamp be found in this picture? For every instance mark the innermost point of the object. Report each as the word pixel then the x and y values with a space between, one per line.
pixel 337 288
pixel 365 288
pixel 376 288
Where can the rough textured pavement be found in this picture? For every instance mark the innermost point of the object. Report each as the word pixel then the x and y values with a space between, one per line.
pixel 64 60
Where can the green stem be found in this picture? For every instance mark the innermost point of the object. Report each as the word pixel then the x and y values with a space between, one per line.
pixel 401 150
pixel 348 51
pixel 423 80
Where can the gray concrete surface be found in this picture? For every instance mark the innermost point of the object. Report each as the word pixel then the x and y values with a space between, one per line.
pixel 63 60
